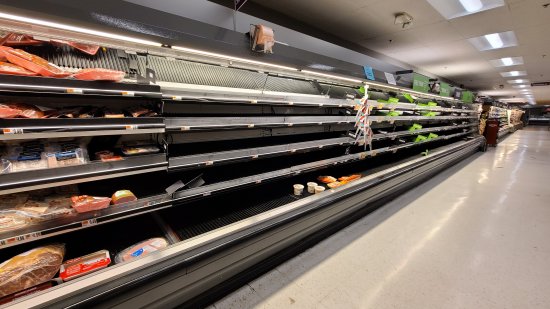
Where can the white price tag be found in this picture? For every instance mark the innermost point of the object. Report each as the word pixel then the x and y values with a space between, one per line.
pixel 290 124
pixel 255 157
pixel 89 222
pixel 321 104
pixel 12 131
pixel 207 163
pixel 185 128
pixel 258 181
pixel 74 91
pixel 131 127
pixel 206 193
pixel 128 93
pixel 292 150
pixel 290 103
pixel 254 101
pixel 250 126
pixel 176 98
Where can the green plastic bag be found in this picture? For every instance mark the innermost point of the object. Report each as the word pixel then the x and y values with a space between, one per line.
pixel 420 138
pixel 432 136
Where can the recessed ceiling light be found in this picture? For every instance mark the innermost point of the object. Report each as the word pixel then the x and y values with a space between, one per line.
pixel 518 81
pixel 494 40
pixel 507 61
pixel 513 73
pixel 521 86
pixel 455 8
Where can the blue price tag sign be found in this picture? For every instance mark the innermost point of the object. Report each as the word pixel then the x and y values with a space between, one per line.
pixel 369 72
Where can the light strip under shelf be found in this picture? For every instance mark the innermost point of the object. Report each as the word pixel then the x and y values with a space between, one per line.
pixel 231 58
pixel 46 23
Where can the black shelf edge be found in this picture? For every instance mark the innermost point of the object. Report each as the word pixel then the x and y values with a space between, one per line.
pixel 34 84
pixel 36 179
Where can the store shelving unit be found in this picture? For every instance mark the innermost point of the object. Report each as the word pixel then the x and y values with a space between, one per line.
pixel 217 125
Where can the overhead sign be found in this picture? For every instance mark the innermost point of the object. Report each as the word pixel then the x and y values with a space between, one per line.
pixel 445 89
pixel 239 4
pixel 390 78
pixel 421 83
pixel 467 96
pixel 369 73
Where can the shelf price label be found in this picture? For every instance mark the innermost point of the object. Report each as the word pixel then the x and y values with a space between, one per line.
pixel 131 127
pixel 176 98
pixel 75 91
pixel 128 93
pixel 89 222
pixel 20 238
pixel 12 131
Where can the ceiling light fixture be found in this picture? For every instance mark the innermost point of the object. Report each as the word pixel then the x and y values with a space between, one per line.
pixel 455 8
pixel 471 5
pixel 518 81
pixel 507 61
pixel 50 24
pixel 513 73
pixel 231 58
pixel 332 76
pixel 495 40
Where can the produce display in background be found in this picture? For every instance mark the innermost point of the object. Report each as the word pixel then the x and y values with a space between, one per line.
pixel 27 64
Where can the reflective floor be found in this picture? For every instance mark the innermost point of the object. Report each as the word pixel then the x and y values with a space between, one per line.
pixel 475 236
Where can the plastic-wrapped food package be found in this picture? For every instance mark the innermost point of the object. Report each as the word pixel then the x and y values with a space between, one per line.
pixel 34 63
pixel 7 111
pixel 86 48
pixel 11 220
pixel 141 249
pixel 99 74
pixel 132 150
pixel 81 266
pixel 30 268
pixel 26 110
pixel 16 39
pixel 85 203
pixel 12 69
pixel 123 196
pixel 66 154
pixel 3 50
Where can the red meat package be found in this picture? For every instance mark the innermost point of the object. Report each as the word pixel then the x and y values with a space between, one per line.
pixel 12 69
pixel 99 74
pixel 3 50
pixel 81 266
pixel 15 39
pixel 85 203
pixel 85 48
pixel 20 110
pixel 34 63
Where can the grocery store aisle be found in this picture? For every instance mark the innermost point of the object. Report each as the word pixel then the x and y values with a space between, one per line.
pixel 475 236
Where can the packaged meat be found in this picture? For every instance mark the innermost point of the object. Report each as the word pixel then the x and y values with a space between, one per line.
pixel 3 50
pixel 141 249
pixel 123 196
pixel 138 111
pixel 45 209
pixel 26 110
pixel 16 39
pixel 326 179
pixel 29 291
pixel 34 63
pixel 14 199
pixel 85 203
pixel 132 150
pixel 30 268
pixel 8 112
pixel 335 184
pixel 13 220
pixel 81 266
pixel 12 69
pixel 86 48
pixel 350 178
pixel 107 156
pixel 99 74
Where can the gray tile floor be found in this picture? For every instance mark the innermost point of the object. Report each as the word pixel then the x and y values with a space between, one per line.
pixel 475 236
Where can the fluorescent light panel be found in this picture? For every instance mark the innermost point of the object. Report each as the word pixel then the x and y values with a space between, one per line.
pixel 231 58
pixel 494 41
pixel 456 8
pixel 518 81
pixel 50 24
pixel 513 73
pixel 506 61
pixel 332 76
pixel 520 86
